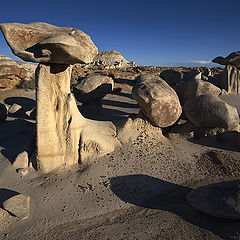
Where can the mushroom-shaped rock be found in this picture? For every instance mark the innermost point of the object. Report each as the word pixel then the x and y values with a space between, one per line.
pixel 221 200
pixel 210 111
pixel 232 59
pixel 158 101
pixel 190 89
pixel 42 42
pixel 93 87
pixel 111 59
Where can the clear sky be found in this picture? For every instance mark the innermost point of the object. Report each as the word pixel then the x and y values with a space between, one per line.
pixel 149 32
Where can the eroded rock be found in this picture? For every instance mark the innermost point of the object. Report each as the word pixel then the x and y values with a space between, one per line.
pixel 42 42
pixel 232 59
pixel 221 200
pixel 158 101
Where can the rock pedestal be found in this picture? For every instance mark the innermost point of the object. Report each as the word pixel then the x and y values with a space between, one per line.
pixel 231 79
pixel 64 136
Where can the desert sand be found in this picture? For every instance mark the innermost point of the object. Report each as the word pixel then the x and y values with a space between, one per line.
pixel 136 192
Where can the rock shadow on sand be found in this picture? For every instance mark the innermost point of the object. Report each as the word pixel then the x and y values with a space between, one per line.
pixel 153 193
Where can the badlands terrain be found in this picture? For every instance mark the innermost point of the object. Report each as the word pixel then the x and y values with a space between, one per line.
pixel 93 146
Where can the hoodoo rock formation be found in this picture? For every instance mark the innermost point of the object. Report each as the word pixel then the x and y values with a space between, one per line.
pixel 230 78
pixel 64 136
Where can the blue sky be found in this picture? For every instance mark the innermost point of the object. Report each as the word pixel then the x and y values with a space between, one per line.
pixel 150 32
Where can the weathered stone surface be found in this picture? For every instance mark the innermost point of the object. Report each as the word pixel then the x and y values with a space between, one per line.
pixel 232 59
pixel 172 77
pixel 93 87
pixel 195 87
pixel 64 136
pixel 193 74
pixel 221 200
pixel 210 111
pixel 42 42
pixel 230 79
pixel 11 76
pixel 21 161
pixel 18 205
pixel 111 60
pixel 159 102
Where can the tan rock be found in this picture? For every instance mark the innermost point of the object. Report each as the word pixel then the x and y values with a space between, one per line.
pixel 64 136
pixel 5 219
pixel 42 42
pixel 21 161
pixel 157 99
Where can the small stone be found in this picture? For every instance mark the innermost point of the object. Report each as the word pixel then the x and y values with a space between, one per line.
pixel 18 205
pixel 21 161
pixel 14 108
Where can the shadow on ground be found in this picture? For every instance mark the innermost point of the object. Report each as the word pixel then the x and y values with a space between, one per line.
pixel 16 136
pixel 149 192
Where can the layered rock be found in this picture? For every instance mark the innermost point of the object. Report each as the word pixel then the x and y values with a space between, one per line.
pixel 158 101
pixel 221 200
pixel 195 87
pixel 208 111
pixel 42 42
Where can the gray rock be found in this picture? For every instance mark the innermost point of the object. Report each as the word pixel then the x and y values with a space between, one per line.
pixel 158 101
pixel 3 112
pixel 42 42
pixel 210 111
pixel 232 59
pixel 93 87
pixel 171 76
pixel 18 205
pixel 195 87
pixel 221 200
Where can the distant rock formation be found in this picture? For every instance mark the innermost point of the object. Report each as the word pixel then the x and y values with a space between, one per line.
pixel 110 60
pixel 12 73
pixel 64 136
pixel 230 78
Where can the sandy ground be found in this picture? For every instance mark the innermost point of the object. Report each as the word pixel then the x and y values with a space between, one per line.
pixel 136 192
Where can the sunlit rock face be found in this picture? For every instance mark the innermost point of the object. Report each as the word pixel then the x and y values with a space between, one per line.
pixel 45 43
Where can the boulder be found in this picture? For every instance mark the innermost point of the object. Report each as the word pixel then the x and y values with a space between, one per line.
pixel 3 112
pixel 21 160
pixel 232 59
pixel 42 42
pixel 172 77
pixel 210 111
pixel 92 88
pixel 18 205
pixel 193 74
pixel 221 200
pixel 158 101
pixel 111 60
pixel 195 87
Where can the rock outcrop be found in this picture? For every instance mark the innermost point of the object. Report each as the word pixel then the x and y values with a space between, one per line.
pixel 158 101
pixel 230 78
pixel 42 42
pixel 221 200
pixel 208 111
